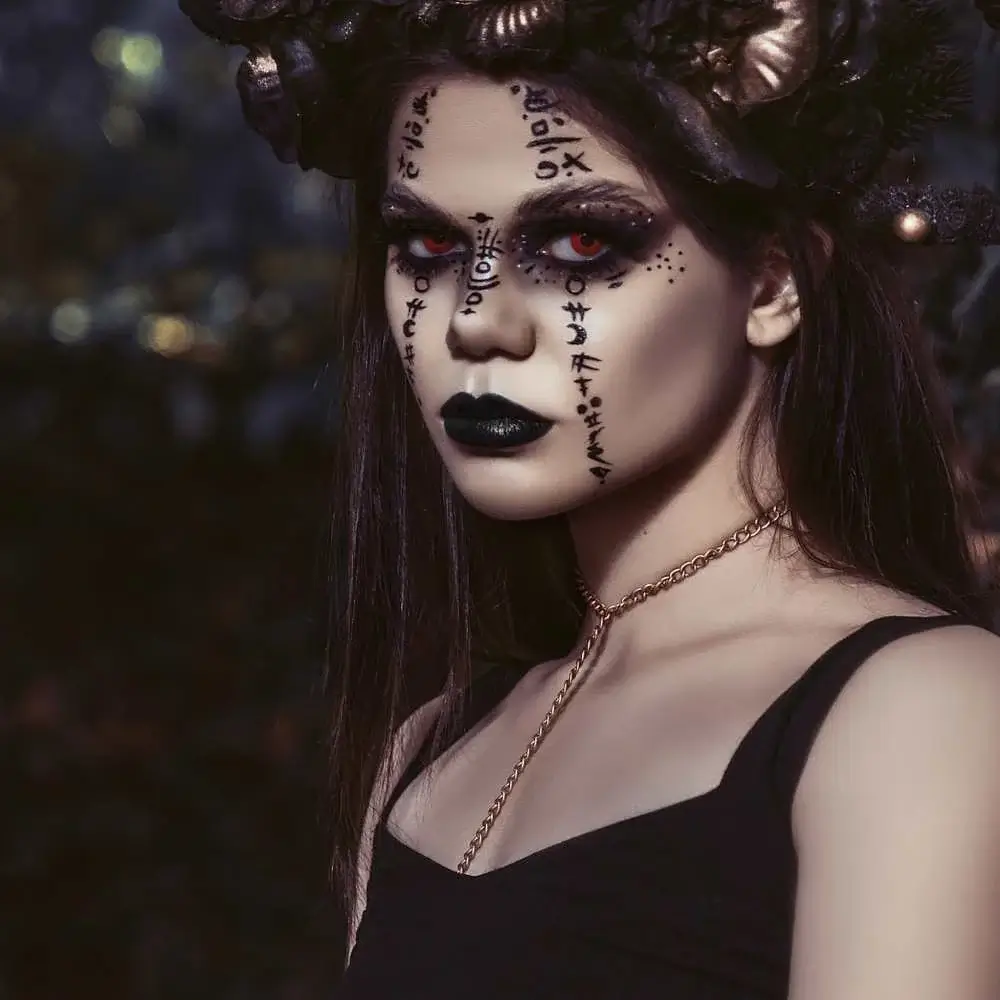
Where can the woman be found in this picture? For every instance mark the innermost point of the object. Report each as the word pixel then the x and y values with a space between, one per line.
pixel 624 303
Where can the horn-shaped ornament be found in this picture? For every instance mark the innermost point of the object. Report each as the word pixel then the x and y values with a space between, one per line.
pixel 773 62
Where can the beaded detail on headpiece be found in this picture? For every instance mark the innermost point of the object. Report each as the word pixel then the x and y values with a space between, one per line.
pixel 811 97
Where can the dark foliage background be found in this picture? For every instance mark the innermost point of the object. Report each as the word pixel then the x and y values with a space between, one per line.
pixel 165 393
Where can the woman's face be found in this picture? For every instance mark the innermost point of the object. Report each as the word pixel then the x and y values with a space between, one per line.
pixel 528 260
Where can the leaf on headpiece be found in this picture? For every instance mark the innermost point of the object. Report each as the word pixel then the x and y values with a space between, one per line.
pixel 919 80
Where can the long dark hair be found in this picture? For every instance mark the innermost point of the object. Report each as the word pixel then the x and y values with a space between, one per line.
pixel 429 590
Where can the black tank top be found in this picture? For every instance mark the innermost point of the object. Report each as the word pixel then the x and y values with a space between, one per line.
pixel 691 902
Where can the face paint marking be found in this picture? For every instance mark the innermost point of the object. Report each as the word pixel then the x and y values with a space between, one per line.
pixel 412 135
pixel 599 467
pixel 577 311
pixel 584 363
pixel 540 111
pixel 408 360
pixel 413 308
pixel 483 276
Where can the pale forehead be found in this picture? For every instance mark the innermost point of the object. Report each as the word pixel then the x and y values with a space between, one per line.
pixel 480 149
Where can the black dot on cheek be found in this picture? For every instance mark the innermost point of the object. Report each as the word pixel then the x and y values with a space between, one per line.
pixel 596 402
pixel 670 280
pixel 582 409
pixel 681 269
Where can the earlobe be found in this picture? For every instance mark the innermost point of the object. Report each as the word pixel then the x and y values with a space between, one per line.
pixel 775 314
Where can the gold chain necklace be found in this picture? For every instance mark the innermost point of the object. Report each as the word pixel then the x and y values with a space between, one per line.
pixel 605 615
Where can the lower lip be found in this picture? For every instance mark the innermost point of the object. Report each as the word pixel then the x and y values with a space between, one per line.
pixel 505 432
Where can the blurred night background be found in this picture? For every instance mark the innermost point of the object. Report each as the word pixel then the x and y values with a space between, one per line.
pixel 165 419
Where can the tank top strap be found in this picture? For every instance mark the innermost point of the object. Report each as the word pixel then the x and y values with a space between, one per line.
pixel 483 694
pixel 778 744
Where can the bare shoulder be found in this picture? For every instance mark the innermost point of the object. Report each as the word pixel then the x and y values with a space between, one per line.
pixel 912 700
pixel 895 825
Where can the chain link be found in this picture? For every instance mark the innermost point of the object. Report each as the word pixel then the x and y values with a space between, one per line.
pixel 605 615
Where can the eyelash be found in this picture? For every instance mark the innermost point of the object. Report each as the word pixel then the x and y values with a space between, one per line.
pixel 624 244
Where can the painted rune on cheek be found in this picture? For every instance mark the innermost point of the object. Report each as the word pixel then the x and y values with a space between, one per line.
pixel 665 262
pixel 414 307
pixel 412 138
pixel 583 365
pixel 481 276
pixel 548 137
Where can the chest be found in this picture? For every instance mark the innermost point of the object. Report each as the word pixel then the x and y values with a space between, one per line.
pixel 616 751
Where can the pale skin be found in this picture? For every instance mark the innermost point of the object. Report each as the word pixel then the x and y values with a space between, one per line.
pixel 896 818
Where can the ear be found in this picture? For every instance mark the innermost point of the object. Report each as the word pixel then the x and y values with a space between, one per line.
pixel 775 314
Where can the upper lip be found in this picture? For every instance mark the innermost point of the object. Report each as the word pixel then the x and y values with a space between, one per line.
pixel 489 406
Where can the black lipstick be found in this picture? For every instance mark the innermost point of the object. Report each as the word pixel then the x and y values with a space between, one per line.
pixel 491 421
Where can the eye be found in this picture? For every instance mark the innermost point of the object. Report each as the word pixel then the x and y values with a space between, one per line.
pixel 429 245
pixel 578 248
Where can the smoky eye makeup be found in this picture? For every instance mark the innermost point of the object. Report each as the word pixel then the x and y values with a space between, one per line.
pixel 584 239
pixel 588 242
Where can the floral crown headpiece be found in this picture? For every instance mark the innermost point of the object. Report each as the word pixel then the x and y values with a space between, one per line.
pixel 807 96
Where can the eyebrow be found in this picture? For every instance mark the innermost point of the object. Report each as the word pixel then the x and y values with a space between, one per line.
pixel 402 200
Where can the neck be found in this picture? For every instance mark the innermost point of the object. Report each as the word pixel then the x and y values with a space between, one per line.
pixel 641 531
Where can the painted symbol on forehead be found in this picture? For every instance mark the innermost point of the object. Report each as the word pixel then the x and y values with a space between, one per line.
pixel 412 136
pixel 546 126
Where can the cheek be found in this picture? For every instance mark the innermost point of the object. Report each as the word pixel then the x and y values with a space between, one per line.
pixel 419 311
pixel 670 354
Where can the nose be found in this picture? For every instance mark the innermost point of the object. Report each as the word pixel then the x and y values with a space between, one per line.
pixel 490 315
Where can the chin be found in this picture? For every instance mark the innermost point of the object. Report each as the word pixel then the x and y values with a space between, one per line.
pixel 508 494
